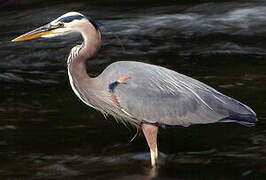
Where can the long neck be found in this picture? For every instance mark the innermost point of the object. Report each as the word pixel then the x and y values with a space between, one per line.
pixel 80 82
pixel 82 53
pixel 92 42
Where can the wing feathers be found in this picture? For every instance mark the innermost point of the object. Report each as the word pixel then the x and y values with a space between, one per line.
pixel 159 95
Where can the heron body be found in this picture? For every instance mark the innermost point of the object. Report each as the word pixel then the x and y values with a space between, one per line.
pixel 142 94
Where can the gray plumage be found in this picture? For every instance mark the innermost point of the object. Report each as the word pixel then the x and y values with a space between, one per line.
pixel 158 95
pixel 152 94
pixel 139 93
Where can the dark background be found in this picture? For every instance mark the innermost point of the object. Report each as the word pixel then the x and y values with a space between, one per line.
pixel 46 132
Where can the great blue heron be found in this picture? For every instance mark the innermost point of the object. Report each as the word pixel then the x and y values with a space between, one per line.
pixel 142 94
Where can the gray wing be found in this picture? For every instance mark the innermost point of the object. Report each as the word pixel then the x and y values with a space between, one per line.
pixel 158 95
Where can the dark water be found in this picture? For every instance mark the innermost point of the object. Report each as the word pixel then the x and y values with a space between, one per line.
pixel 47 133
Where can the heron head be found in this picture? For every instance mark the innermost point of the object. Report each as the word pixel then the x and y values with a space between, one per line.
pixel 65 24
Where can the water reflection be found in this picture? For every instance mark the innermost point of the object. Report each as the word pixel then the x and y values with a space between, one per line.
pixel 45 132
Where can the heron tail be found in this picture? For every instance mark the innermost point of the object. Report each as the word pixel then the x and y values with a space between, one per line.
pixel 244 119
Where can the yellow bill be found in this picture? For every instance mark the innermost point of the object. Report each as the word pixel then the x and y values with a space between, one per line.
pixel 39 32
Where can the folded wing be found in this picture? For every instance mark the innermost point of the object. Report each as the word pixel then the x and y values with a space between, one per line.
pixel 158 95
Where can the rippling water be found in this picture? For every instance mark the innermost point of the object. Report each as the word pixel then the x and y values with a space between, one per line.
pixel 47 133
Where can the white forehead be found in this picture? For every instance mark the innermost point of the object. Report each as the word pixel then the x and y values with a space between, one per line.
pixel 71 14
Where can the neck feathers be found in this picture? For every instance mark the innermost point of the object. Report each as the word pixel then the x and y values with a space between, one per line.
pixel 74 53
pixel 89 48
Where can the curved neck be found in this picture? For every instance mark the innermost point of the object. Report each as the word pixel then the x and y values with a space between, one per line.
pixel 92 41
pixel 80 81
pixel 82 53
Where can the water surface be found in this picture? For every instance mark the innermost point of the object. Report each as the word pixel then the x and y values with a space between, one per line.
pixel 47 133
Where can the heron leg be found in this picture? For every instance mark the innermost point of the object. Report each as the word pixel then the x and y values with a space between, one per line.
pixel 150 132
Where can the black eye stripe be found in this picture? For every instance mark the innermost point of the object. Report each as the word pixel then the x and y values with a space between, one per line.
pixel 71 18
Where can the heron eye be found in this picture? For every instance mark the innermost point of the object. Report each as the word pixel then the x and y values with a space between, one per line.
pixel 60 24
pixel 57 25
